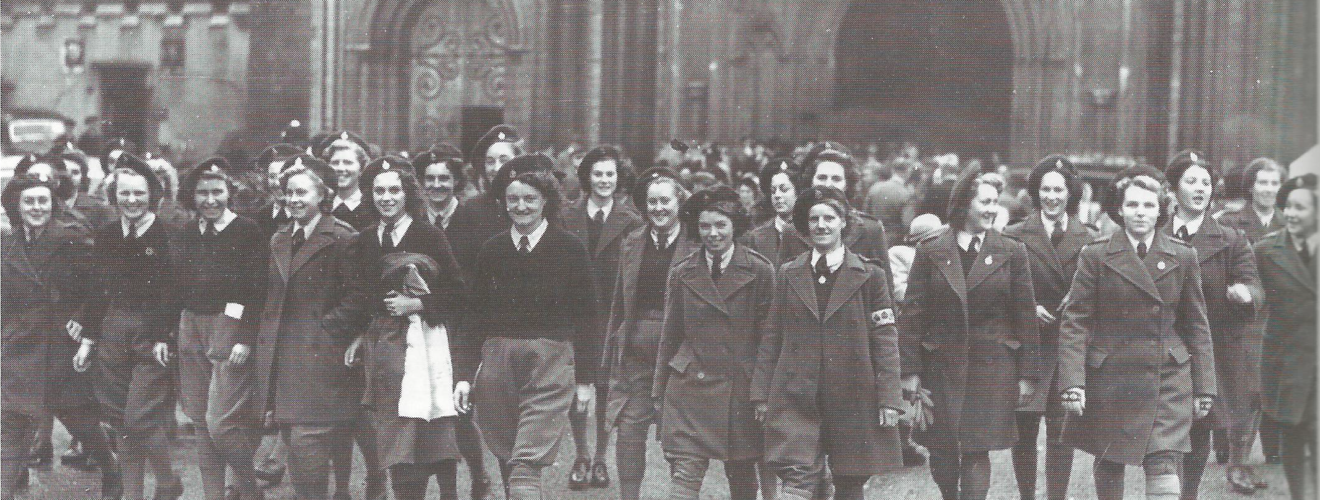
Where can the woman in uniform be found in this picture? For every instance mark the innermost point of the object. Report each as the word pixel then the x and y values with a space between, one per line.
pixel 532 317
pixel 826 382
pixel 970 337
pixel 1053 236
pixel 777 239
pixel 44 265
pixel 636 315
pixel 347 154
pixel 1287 263
pixel 600 222
pixel 1263 177
pixel 717 308
pixel 1232 293
pixel 479 218
pixel 1135 354
pixel 409 375
pixel 832 165
pixel 134 318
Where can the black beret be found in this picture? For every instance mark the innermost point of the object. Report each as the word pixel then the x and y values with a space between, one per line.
pixel 108 157
pixel 342 136
pixel 313 164
pixel 1114 199
pixel 644 183
pixel 518 166
pixel 775 167
pixel 1304 181
pixel 811 197
pixel 1184 160
pixel 441 153
pixel 295 133
pixel 276 153
pixel 16 186
pixel 1066 168
pixel 722 199
pixel 213 168
pixel 139 166
pixel 498 133
pixel 385 164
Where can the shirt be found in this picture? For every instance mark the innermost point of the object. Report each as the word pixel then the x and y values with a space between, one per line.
pixel 782 226
pixel 965 239
pixel 311 226
pixel 1150 240
pixel 1266 218
pixel 352 201
pixel 592 208
pixel 1193 226
pixel 532 239
pixel 400 228
pixel 724 259
pixel 1049 224
pixel 673 236
pixel 276 210
pixel 221 224
pixel 143 224
pixel 834 259
pixel 441 219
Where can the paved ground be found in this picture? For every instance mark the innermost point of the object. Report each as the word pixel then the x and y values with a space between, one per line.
pixel 63 483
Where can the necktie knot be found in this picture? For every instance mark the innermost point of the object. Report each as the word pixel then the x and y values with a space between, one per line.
pixel 525 245
pixel 1141 250
pixel 599 218
pixel 822 270
pixel 387 236
pixel 299 237
pixel 209 228
pixel 716 269
pixel 1182 234
pixel 1056 233
pixel 975 245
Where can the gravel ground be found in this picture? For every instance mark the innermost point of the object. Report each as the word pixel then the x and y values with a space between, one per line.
pixel 59 482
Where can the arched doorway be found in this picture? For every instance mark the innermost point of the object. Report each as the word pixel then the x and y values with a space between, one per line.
pixel 939 73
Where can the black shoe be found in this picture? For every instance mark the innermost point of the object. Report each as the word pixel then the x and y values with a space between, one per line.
pixel 272 477
pixel 480 486
pixel 600 475
pixel 580 477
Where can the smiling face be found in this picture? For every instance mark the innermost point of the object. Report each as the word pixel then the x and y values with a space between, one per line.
pixel 1265 191
pixel 525 205
pixel 1140 210
pixel 716 231
pixel 826 226
pixel 36 204
pixel 1194 190
pixel 303 196
pixel 211 196
pixel 604 179
pixel 662 206
pixel 983 209
pixel 1053 195
pixel 438 183
pixel 348 170
pixel 496 156
pixel 132 196
pixel 783 194
pixel 830 174
pixel 388 195
pixel 1299 214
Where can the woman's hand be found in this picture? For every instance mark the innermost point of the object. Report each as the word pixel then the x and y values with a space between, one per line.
pixel 462 396
pixel 1239 293
pixel 888 417
pixel 1044 315
pixel 161 351
pixel 74 329
pixel 351 357
pixel 1026 390
pixel 585 392
pixel 402 305
pixel 83 358
pixel 761 410
pixel 1074 400
pixel 239 354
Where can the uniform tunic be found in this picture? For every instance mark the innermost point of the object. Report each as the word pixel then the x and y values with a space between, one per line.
pixel 1135 335
pixel 1288 370
pixel 779 247
pixel 603 248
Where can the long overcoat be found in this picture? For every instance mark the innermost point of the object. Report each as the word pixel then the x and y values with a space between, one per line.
pixel 621 329
pixel 825 375
pixel 1052 270
pixel 767 241
pixel 306 327
pixel 1225 257
pixel 971 336
pixel 45 285
pixel 1288 370
pixel 708 351
pixel 1136 337
pixel 605 255
pixel 1248 222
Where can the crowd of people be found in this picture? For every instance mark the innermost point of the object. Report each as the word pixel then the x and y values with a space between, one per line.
pixel 810 317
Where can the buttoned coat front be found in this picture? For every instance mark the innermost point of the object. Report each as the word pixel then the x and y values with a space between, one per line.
pixel 707 354
pixel 825 375
pixel 1288 370
pixel 971 337
pixel 306 327
pixel 1136 337
pixel 605 255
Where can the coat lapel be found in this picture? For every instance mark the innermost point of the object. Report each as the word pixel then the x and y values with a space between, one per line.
pixel 281 245
pixel 799 278
pixel 614 226
pixel 993 255
pixel 1287 258
pixel 737 276
pixel 17 257
pixel 1208 241
pixel 944 254
pixel 1122 258
pixel 697 277
pixel 1034 236
pixel 1076 237
pixel 852 274
pixel 321 237
pixel 630 258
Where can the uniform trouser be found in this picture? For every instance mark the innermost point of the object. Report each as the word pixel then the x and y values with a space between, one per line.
pixel 634 425
pixel 468 438
pixel 311 449
pixel 1271 437
pixel 16 430
pixel 1058 457
pixel 1162 471
pixel 803 483
pixel 686 474
pixel 578 420
pixel 364 435
pixel 1297 440
pixel 1239 439
pixel 409 481
pixel 961 476
pixel 137 398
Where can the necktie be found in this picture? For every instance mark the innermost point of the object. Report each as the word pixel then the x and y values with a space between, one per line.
pixel 1305 254
pixel 1056 234
pixel 975 245
pixel 1182 234
pixel 387 238
pixel 209 229
pixel 525 245
pixel 342 211
pixel 661 241
pixel 822 270
pixel 299 237
pixel 132 230
pixel 1141 250
pixel 599 218
pixel 715 270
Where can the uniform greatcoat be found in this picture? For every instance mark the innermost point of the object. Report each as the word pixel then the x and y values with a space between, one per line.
pixel 825 375
pixel 971 336
pixel 1248 222
pixel 605 256
pixel 708 351
pixel 1135 335
pixel 767 241
pixel 306 327
pixel 1288 372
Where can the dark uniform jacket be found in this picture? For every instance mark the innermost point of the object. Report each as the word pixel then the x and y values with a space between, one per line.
pixel 1245 220
pixel 1135 335
pixel 605 255
pixel 473 222
pixel 767 241
pixel 1288 369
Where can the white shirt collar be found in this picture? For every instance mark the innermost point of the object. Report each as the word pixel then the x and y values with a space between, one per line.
pixel 143 224
pixel 592 208
pixel 671 237
pixel 834 259
pixel 965 238
pixel 1149 241
pixel 441 218
pixel 1193 226
pixel 532 239
pixel 400 229
pixel 1049 224
pixel 724 259
pixel 221 224
pixel 351 202
pixel 781 225
pixel 1265 219
pixel 311 226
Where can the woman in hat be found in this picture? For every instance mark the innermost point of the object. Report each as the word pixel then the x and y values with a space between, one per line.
pixel 479 218
pixel 777 239
pixel 717 307
pixel 970 338
pixel 826 382
pixel 1232 292
pixel 636 315
pixel 409 373
pixel 347 154
pixel 1135 355
pixel 133 318
pixel 830 164
pixel 81 200
pixel 532 316
pixel 1287 263
pixel 218 285
pixel 44 265
pixel 1054 237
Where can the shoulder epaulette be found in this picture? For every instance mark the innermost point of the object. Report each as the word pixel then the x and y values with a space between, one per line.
pixel 1099 240
pixel 755 254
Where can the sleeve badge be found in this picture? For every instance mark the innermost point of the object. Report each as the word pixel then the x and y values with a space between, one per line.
pixel 883 317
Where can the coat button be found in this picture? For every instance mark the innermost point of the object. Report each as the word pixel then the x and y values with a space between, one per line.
pixel 701 375
pixel 1154 309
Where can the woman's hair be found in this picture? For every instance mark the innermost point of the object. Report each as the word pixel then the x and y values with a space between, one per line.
pixel 317 178
pixel 344 145
pixel 79 158
pixel 128 164
pixel 1184 162
pixel 653 177
pixel 831 197
pixel 1304 181
pixel 13 192
pixel 1056 163
pixel 413 203
pixel 604 153
pixel 445 155
pixel 837 153
pixel 779 166
pixel 964 191
pixel 721 199
pixel 1141 181
pixel 210 169
pixel 1255 167
pixel 544 182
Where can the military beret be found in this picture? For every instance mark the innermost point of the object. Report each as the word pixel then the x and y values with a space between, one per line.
pixel 113 148
pixel 385 164
pixel 276 153
pixel 722 199
pixel 644 182
pixel 441 153
pixel 518 166
pixel 1113 200
pixel 498 133
pixel 784 165
pixel 811 197
pixel 1306 181
pixel 1066 168
pixel 342 137
pixel 314 165
pixel 138 166
pixel 1186 159
pixel 295 133
pixel 596 155
pixel 15 188
pixel 210 168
